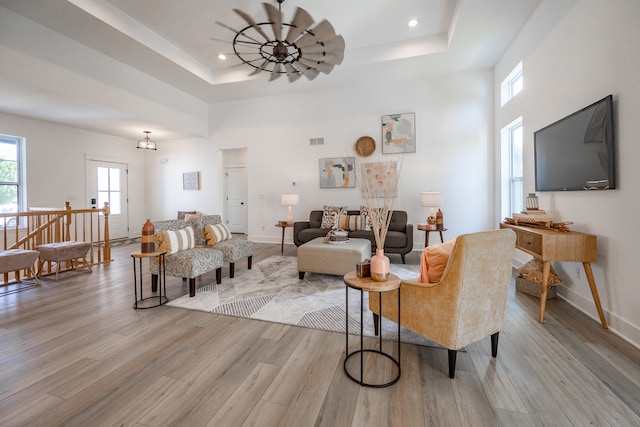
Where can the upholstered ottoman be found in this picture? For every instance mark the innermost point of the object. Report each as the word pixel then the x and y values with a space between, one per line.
pixel 63 251
pixel 316 256
pixel 18 259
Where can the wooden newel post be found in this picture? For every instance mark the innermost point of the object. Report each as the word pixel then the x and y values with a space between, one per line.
pixel 67 225
pixel 107 247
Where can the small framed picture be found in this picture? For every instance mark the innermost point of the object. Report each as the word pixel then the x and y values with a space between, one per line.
pixel 399 133
pixel 191 181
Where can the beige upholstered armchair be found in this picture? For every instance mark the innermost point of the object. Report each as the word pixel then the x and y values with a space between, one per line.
pixel 467 304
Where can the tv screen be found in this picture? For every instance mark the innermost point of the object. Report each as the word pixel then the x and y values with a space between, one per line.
pixel 576 152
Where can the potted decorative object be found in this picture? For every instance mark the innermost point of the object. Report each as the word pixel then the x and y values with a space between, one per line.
pixel 378 183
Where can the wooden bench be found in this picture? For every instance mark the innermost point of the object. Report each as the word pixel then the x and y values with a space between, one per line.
pixel 63 251
pixel 19 259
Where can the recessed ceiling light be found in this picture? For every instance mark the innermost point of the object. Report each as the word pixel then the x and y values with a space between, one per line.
pixel 413 23
pixel 222 56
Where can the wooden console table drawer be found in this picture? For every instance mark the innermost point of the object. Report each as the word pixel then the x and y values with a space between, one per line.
pixel 550 245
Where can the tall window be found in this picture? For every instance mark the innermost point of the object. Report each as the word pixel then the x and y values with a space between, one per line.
pixel 11 191
pixel 513 138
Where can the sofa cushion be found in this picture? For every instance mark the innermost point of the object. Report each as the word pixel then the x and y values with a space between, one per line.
pixel 216 233
pixel 330 215
pixel 434 260
pixel 174 241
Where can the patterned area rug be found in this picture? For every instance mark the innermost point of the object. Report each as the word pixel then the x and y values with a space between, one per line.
pixel 271 291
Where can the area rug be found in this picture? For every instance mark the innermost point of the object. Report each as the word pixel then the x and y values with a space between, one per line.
pixel 271 291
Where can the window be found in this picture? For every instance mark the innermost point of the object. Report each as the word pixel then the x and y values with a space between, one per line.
pixel 512 142
pixel 512 85
pixel 11 189
pixel 109 188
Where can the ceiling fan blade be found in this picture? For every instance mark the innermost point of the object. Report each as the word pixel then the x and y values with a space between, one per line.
pixel 260 68
pixel 329 57
pixel 252 23
pixel 234 31
pixel 319 34
pixel 334 45
pixel 301 21
pixel 276 72
pixel 309 73
pixel 276 20
pixel 292 73
pixel 323 67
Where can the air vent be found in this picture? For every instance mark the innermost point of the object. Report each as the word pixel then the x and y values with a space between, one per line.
pixel 316 141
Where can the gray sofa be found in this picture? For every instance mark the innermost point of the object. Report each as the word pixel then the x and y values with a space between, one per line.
pixel 399 236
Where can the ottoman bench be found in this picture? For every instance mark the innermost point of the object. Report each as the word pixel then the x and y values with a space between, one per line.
pixel 63 251
pixel 316 256
pixel 18 259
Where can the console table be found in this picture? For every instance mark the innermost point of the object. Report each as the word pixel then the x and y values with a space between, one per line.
pixel 549 245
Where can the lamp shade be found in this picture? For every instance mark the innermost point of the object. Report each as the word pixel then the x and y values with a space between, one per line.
pixel 431 199
pixel 289 199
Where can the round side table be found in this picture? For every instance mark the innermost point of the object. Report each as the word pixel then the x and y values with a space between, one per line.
pixel 368 284
pixel 142 303
pixel 284 225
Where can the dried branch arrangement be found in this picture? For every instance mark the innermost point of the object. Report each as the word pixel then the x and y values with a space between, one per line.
pixel 378 183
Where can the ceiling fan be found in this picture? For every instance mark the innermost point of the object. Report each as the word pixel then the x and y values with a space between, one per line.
pixel 294 49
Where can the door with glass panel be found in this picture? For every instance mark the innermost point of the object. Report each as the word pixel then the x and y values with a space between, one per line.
pixel 107 182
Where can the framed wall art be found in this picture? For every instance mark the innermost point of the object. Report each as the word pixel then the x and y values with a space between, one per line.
pixel 191 181
pixel 399 133
pixel 337 172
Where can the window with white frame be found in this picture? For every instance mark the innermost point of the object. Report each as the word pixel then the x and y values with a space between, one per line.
pixel 512 85
pixel 513 141
pixel 11 188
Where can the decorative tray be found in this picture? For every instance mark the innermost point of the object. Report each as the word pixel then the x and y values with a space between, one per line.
pixel 336 242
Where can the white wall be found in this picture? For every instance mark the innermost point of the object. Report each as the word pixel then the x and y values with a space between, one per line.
pixel 56 164
pixel 454 116
pixel 575 53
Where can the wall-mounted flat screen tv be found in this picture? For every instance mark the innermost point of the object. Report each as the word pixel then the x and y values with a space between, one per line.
pixel 577 152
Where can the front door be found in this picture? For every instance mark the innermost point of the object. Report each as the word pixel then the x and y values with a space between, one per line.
pixel 107 182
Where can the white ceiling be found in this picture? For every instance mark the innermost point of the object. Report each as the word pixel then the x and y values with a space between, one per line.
pixel 177 42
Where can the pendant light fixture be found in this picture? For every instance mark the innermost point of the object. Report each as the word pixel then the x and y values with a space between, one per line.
pixel 147 143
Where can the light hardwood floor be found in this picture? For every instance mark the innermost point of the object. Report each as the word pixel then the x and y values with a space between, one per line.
pixel 75 353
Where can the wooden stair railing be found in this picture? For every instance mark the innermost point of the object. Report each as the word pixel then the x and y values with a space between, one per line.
pixel 40 226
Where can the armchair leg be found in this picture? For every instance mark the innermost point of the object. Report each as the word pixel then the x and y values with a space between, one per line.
pixel 218 275
pixel 376 323
pixel 494 344
pixel 452 362
pixel 192 286
pixel 232 269
pixel 249 260
pixel 402 256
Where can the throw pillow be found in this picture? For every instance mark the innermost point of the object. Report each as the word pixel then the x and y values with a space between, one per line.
pixel 330 216
pixel 181 214
pixel 353 222
pixel 215 233
pixel 366 218
pixel 173 241
pixel 434 260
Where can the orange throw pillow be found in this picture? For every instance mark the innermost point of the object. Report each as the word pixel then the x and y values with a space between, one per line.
pixel 434 260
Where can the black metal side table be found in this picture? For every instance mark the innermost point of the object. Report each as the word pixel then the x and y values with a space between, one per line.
pixel 368 284
pixel 147 302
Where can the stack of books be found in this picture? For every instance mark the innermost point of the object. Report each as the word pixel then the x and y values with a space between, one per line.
pixel 533 215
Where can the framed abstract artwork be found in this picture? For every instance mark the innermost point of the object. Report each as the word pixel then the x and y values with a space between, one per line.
pixel 191 181
pixel 337 172
pixel 399 133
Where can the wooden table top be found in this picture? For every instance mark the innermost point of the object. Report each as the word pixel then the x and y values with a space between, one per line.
pixel 352 280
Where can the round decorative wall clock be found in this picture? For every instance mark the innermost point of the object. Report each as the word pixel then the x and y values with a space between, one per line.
pixel 365 146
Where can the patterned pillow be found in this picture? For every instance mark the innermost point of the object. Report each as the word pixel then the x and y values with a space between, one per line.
pixel 366 218
pixel 353 222
pixel 330 216
pixel 215 233
pixel 173 241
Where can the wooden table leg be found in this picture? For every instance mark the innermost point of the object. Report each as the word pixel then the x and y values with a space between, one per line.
pixel 546 268
pixel 282 244
pixel 426 238
pixel 594 292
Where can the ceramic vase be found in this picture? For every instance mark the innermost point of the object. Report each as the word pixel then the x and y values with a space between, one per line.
pixel 148 244
pixel 380 266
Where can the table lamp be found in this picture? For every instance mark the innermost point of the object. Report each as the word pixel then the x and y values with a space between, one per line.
pixel 431 200
pixel 289 199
